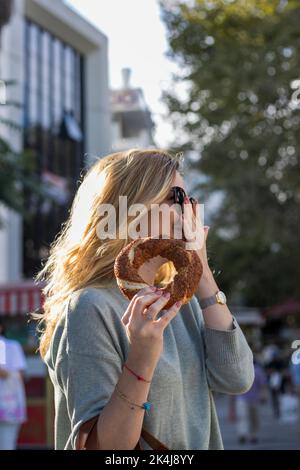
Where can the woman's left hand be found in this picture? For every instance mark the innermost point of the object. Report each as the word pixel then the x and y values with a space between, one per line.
pixel 191 214
pixel 207 285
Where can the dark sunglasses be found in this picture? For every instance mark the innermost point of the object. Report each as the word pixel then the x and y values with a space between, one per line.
pixel 178 195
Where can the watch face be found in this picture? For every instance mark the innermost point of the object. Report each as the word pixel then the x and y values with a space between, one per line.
pixel 221 298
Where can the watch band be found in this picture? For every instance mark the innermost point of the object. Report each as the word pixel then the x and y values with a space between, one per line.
pixel 208 301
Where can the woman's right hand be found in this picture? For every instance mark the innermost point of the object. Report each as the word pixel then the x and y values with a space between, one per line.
pixel 146 336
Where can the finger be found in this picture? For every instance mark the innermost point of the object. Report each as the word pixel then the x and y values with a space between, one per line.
pixel 128 311
pixel 197 216
pixel 193 218
pixel 188 221
pixel 188 230
pixel 141 302
pixel 165 319
pixel 197 210
pixel 141 292
pixel 148 299
pixel 157 306
pixel 145 290
pixel 206 229
pixel 196 234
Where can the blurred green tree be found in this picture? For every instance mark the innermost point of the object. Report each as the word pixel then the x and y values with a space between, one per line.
pixel 17 168
pixel 239 113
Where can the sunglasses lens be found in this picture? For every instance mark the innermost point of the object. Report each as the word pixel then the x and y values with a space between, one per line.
pixel 178 195
pixel 181 195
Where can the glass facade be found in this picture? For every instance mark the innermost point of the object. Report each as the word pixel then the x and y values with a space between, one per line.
pixel 53 134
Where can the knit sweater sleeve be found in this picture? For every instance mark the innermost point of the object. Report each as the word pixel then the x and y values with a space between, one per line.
pixel 92 361
pixel 228 357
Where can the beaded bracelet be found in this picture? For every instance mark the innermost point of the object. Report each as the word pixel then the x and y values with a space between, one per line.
pixel 145 406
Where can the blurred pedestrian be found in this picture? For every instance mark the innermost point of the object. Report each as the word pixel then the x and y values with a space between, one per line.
pixel 12 393
pixel 275 386
pixel 294 368
pixel 269 353
pixel 289 405
pixel 247 407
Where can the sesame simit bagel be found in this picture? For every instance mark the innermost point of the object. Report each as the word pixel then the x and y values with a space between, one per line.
pixel 186 262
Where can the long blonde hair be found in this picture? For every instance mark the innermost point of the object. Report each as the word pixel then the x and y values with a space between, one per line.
pixel 78 257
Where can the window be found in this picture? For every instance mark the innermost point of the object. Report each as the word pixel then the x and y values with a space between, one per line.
pixel 53 100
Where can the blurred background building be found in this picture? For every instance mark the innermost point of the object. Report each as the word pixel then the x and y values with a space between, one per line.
pixel 58 65
pixel 132 126
pixel 59 62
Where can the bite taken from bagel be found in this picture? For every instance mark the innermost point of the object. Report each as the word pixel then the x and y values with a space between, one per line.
pixel 186 262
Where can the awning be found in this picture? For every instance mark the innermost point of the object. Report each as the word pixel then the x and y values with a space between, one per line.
pixel 289 307
pixel 20 298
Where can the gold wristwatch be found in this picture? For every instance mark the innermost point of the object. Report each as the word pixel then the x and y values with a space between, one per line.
pixel 218 298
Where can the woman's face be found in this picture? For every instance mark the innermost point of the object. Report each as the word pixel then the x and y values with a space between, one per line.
pixel 164 224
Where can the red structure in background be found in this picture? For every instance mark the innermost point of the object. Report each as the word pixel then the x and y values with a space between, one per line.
pixel 289 307
pixel 17 300
pixel 20 298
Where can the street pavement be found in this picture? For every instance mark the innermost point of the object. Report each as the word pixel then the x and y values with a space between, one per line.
pixel 273 434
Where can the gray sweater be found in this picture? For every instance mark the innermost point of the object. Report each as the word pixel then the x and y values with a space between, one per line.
pixel 90 345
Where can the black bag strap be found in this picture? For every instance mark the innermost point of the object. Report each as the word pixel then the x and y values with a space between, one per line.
pixel 154 443
pixel 88 438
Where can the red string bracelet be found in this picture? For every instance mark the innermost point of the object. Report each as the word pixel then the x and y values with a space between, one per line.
pixel 137 376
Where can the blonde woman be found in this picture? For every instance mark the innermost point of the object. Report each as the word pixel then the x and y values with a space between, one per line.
pixel 120 366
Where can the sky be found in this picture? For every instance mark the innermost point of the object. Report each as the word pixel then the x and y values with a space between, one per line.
pixel 137 39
